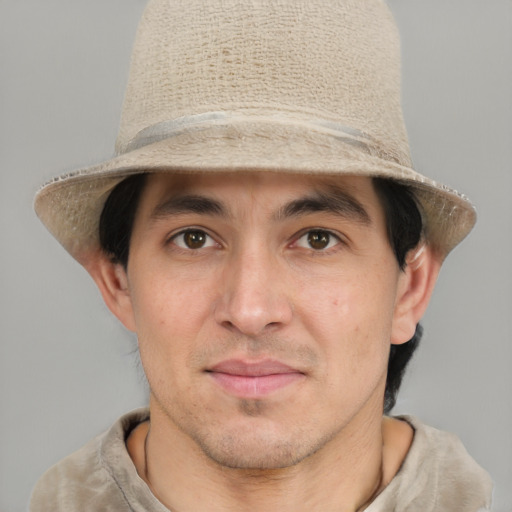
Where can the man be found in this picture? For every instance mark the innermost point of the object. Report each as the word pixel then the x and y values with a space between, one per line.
pixel 263 233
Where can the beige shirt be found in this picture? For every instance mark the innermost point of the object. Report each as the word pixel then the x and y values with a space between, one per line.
pixel 437 475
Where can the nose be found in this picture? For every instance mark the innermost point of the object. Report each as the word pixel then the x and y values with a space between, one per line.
pixel 254 296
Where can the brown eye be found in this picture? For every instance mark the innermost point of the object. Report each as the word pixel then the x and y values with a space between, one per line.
pixel 193 239
pixel 318 240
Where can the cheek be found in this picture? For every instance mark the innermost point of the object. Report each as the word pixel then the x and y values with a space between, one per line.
pixel 163 298
pixel 349 300
pixel 170 314
pixel 350 315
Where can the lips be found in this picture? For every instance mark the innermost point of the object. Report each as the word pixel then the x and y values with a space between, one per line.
pixel 253 380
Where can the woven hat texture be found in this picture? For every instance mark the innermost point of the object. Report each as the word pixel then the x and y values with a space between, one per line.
pixel 297 86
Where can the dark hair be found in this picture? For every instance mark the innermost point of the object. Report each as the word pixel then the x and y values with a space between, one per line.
pixel 117 217
pixel 403 218
pixel 404 230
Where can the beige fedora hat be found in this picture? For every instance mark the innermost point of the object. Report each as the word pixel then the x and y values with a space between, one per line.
pixel 298 86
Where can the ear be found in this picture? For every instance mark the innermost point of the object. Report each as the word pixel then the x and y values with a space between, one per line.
pixel 415 287
pixel 112 281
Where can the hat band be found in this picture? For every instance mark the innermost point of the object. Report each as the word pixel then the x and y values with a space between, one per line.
pixel 174 127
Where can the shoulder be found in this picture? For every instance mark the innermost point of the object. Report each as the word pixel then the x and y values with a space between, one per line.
pixel 442 473
pixel 92 478
pixel 437 475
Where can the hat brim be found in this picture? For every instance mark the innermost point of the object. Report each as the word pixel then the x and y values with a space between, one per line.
pixel 70 206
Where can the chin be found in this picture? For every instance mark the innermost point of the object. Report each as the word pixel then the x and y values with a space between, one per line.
pixel 259 448
pixel 255 457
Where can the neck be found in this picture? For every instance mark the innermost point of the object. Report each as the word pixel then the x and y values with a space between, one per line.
pixel 345 475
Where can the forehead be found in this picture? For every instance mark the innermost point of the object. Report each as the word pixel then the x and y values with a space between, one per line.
pixel 233 192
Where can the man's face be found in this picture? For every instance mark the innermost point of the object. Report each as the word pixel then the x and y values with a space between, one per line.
pixel 264 306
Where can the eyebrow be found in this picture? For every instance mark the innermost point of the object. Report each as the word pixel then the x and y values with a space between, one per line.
pixel 188 204
pixel 332 200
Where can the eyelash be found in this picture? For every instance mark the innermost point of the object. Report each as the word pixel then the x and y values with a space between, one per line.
pixel 191 231
pixel 333 239
pixel 322 236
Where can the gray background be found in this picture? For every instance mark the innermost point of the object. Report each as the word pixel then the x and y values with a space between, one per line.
pixel 68 370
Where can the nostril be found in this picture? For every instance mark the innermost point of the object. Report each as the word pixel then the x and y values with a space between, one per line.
pixel 228 325
pixel 250 302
